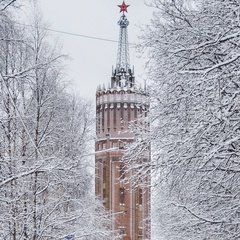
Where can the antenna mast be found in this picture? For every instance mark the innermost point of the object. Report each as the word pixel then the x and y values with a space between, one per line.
pixel 123 62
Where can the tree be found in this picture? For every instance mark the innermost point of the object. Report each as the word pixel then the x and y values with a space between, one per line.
pixel 44 179
pixel 194 68
pixel 4 4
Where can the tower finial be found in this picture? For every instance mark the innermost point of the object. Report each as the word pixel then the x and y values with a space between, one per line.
pixel 123 7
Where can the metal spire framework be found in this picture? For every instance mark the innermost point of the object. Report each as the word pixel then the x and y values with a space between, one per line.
pixel 123 76
pixel 123 62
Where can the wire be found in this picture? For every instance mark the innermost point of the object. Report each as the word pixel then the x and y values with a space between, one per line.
pixel 81 35
pixel 74 34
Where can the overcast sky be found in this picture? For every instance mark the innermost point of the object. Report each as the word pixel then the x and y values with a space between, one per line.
pixel 92 60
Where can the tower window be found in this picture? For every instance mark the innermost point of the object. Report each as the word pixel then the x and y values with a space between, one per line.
pixel 122 196
pixel 121 145
pixel 145 113
pixel 104 193
pixel 140 196
pixel 122 172
pixel 122 231
pixel 104 173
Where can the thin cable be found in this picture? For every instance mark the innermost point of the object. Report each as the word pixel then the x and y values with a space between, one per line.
pixel 70 33
pixel 74 34
pixel 80 35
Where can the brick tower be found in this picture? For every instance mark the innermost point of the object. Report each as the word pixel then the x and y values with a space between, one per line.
pixel 116 106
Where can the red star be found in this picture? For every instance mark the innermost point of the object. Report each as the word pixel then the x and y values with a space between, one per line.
pixel 123 7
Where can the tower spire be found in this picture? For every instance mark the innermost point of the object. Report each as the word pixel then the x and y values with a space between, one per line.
pixel 123 62
pixel 123 75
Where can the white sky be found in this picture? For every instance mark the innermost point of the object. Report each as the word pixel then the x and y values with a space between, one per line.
pixel 92 60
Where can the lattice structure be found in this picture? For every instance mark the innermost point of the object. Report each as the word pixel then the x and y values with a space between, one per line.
pixel 123 62
pixel 123 76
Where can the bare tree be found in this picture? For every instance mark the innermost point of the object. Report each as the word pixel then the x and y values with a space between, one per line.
pixel 44 179
pixel 194 68
pixel 4 4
